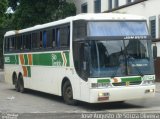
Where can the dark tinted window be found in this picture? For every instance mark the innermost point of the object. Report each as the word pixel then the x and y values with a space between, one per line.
pixel 49 35
pixel 19 43
pixel 62 36
pixel 79 29
pixel 153 28
pixel 97 6
pixel 35 40
pixel 27 42
pixel 84 8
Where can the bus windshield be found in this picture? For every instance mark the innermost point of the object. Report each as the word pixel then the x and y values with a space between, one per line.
pixel 112 48
pixel 120 57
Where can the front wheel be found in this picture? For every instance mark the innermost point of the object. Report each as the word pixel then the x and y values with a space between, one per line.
pixel 68 94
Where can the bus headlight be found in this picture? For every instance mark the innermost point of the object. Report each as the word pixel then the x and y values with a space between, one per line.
pixel 101 85
pixel 148 82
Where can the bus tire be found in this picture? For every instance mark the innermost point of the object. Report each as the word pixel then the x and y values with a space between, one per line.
pixel 68 94
pixel 14 78
pixel 17 86
pixel 21 84
pixel 15 81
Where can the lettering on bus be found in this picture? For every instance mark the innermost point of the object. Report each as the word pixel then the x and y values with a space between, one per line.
pixel 135 37
pixel 7 59
pixel 55 61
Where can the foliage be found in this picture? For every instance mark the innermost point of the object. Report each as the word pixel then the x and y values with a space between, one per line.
pixel 3 8
pixel 32 12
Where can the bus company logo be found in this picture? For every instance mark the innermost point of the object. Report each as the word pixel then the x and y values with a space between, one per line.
pixel 55 61
pixel 54 57
pixel 7 59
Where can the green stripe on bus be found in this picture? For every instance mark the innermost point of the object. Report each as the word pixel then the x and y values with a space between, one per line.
pixel 45 59
pixel 25 59
pixel 42 59
pixel 103 81
pixel 131 79
pixel 29 71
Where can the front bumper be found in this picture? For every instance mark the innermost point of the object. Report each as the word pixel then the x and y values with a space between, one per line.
pixel 121 93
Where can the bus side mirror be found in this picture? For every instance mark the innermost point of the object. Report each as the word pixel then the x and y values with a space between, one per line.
pixel 154 52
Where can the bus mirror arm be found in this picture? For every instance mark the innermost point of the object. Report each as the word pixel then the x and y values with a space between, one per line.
pixel 154 52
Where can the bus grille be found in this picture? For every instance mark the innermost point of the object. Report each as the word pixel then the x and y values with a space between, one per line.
pixel 127 83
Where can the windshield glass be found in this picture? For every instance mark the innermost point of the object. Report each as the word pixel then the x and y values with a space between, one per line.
pixel 120 58
pixel 116 28
pixel 111 48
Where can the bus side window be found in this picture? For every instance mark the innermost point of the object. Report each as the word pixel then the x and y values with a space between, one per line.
pixel 54 38
pixel 35 40
pixel 44 39
pixel 18 43
pixel 24 42
pixel 28 42
pixel 64 36
pixel 40 42
pixel 57 37
pixel 6 44
pixel 12 44
pixel 49 38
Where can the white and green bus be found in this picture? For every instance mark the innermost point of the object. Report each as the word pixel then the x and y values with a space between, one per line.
pixel 93 58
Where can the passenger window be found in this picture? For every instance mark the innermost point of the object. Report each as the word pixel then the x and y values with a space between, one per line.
pixel 18 43
pixel 54 38
pixel 62 37
pixel 6 44
pixel 27 42
pixel 58 37
pixel 12 43
pixel 35 40
pixel 50 38
pixel 44 39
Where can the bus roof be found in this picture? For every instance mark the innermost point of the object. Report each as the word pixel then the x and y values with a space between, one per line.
pixel 84 16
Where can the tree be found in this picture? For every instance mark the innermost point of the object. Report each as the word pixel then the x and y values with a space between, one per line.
pixel 13 4
pixel 3 8
pixel 33 12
